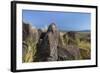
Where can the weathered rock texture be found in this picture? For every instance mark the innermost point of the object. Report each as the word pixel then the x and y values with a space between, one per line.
pixel 52 45
pixel 47 50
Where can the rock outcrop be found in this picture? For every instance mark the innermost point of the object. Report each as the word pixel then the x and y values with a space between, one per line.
pixel 69 46
pixel 47 50
pixel 51 45
pixel 64 54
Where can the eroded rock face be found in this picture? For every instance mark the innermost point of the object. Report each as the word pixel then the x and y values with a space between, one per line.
pixel 26 30
pixel 72 37
pixel 48 46
pixel 74 51
pixel 68 53
pixel 64 54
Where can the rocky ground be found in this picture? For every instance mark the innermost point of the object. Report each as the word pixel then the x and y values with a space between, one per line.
pixel 54 45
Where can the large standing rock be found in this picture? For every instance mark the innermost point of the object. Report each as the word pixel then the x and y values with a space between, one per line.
pixel 47 50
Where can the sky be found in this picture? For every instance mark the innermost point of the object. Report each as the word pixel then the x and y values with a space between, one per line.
pixel 64 20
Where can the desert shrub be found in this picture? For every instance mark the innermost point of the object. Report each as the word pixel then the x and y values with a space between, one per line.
pixel 30 50
pixel 84 49
pixel 85 54
pixel 69 40
pixel 84 45
pixel 81 42
pixel 65 39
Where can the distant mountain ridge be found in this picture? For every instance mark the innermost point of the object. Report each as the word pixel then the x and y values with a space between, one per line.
pixel 85 30
pixel 75 30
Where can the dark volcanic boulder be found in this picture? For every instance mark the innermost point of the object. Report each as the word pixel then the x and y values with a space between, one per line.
pixel 64 54
pixel 69 53
pixel 47 50
pixel 71 34
pixel 26 30
pixel 71 37
pixel 74 51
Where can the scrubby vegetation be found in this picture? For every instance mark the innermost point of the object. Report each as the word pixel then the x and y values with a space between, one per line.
pixel 81 40
pixel 72 45
pixel 30 50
